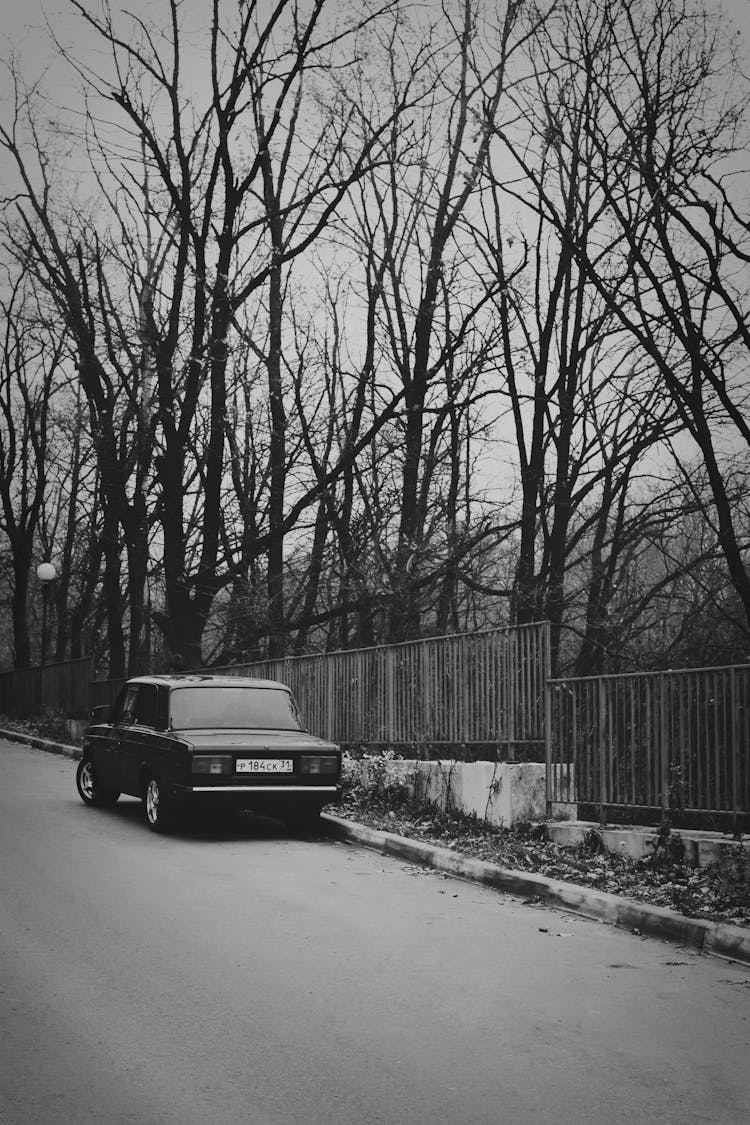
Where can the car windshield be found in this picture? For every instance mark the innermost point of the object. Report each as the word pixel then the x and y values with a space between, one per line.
pixel 261 708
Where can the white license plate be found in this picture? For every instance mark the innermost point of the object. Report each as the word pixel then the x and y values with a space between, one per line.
pixel 265 765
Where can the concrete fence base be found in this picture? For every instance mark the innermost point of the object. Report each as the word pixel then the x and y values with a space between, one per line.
pixel 500 793
pixel 698 849
pixel 508 793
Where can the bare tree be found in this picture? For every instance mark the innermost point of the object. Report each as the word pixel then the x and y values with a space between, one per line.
pixel 31 373
pixel 71 523
pixel 70 263
pixel 666 600
pixel 208 207
pixel 578 391
pixel 422 307
pixel 662 103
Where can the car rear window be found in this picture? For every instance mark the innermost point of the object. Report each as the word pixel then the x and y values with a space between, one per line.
pixel 226 708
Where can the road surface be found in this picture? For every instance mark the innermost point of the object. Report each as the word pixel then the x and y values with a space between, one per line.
pixel 237 975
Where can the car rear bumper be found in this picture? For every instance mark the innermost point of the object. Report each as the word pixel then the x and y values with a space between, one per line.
pixel 258 797
pixel 311 790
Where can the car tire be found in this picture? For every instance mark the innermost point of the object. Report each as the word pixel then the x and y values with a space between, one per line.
pixel 90 792
pixel 157 811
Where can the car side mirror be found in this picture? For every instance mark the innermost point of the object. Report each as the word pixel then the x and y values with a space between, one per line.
pixel 101 714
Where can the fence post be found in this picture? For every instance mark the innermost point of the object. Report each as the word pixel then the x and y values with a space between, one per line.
pixel 735 752
pixel 330 700
pixel 602 751
pixel 547 719
pixel 390 694
pixel 663 749
pixel 512 645
pixel 425 702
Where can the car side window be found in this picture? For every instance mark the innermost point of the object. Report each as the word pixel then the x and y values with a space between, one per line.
pixel 126 705
pixel 162 708
pixel 145 710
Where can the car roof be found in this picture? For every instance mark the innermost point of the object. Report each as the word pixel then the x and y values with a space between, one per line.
pixel 199 680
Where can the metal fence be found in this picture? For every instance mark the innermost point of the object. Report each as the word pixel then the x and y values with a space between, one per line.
pixel 674 742
pixel 104 692
pixel 677 742
pixel 60 687
pixel 483 692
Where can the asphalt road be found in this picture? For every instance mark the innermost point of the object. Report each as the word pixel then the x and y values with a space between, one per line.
pixel 237 975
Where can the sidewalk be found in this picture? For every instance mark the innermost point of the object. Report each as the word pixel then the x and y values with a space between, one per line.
pixel 717 938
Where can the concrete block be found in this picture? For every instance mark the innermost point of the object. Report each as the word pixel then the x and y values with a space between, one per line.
pixel 77 729
pixel 500 793
pixel 701 848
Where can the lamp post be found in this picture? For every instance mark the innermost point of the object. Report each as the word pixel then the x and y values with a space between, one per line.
pixel 46 573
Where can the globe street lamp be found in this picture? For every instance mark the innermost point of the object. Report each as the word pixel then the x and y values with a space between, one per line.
pixel 46 573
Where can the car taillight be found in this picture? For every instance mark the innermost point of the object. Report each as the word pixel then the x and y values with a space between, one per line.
pixel 212 764
pixel 318 763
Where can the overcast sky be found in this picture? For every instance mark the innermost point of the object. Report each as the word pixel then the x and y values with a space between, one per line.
pixel 27 34
pixel 23 21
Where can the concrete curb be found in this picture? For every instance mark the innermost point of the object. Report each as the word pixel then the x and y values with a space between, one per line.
pixel 42 743
pixel 732 942
pixel 717 938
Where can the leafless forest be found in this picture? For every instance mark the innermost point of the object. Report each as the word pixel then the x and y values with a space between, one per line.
pixel 330 325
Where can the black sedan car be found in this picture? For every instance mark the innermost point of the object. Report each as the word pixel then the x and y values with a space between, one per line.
pixel 209 742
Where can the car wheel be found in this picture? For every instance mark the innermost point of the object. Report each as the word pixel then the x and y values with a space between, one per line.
pixel 157 810
pixel 90 792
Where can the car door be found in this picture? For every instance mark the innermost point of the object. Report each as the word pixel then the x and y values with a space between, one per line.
pixel 140 737
pixel 108 753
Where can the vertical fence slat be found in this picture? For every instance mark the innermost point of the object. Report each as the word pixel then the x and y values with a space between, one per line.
pixel 663 746
pixel 602 694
